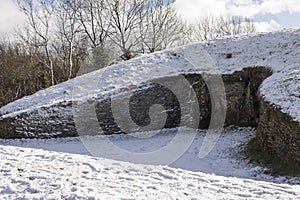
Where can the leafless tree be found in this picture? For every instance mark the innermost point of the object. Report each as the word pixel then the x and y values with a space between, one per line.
pixel 126 16
pixel 93 17
pixel 213 27
pixel 204 29
pixel 160 27
pixel 95 20
pixel 54 31
pixel 69 44
pixel 37 34
pixel 68 29
pixel 235 25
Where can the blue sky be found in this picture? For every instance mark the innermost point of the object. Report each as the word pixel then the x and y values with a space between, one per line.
pixel 268 14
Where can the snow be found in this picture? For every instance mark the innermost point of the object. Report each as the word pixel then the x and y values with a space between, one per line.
pixel 287 92
pixel 63 169
pixel 278 51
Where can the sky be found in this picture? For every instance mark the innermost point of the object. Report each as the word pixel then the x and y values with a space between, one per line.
pixel 10 17
pixel 269 15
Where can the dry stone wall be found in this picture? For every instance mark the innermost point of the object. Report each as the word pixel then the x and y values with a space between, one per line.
pixel 57 121
pixel 277 132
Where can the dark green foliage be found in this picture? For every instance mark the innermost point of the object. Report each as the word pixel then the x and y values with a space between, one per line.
pixel 43 80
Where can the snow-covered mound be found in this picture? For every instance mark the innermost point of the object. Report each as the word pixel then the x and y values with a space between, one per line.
pixel 278 51
pixel 31 173
pixel 38 174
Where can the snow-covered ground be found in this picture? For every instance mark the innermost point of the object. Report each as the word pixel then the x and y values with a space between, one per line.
pixel 63 169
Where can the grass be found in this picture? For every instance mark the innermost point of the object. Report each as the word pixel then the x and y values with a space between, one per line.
pixel 277 166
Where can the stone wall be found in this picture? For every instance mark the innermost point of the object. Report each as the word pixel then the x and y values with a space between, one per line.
pixel 278 133
pixel 44 122
pixel 57 121
pixel 242 96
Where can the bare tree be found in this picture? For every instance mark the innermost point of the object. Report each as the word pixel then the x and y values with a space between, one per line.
pixel 37 35
pixel 235 25
pixel 93 17
pixel 70 29
pixel 95 21
pixel 204 29
pixel 54 31
pixel 211 27
pixel 126 16
pixel 160 27
pixel 69 47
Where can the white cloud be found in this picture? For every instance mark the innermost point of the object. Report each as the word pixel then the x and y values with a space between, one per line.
pixel 10 17
pixel 244 8
pixel 279 6
pixel 247 8
pixel 191 9
pixel 267 26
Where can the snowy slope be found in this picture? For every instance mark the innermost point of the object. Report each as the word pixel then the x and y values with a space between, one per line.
pixel 38 174
pixel 278 51
pixel 226 159
pixel 34 170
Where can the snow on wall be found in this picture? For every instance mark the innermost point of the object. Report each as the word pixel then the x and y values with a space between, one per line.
pixel 278 51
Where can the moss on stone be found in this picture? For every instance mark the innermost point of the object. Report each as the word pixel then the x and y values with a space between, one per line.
pixel 264 157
